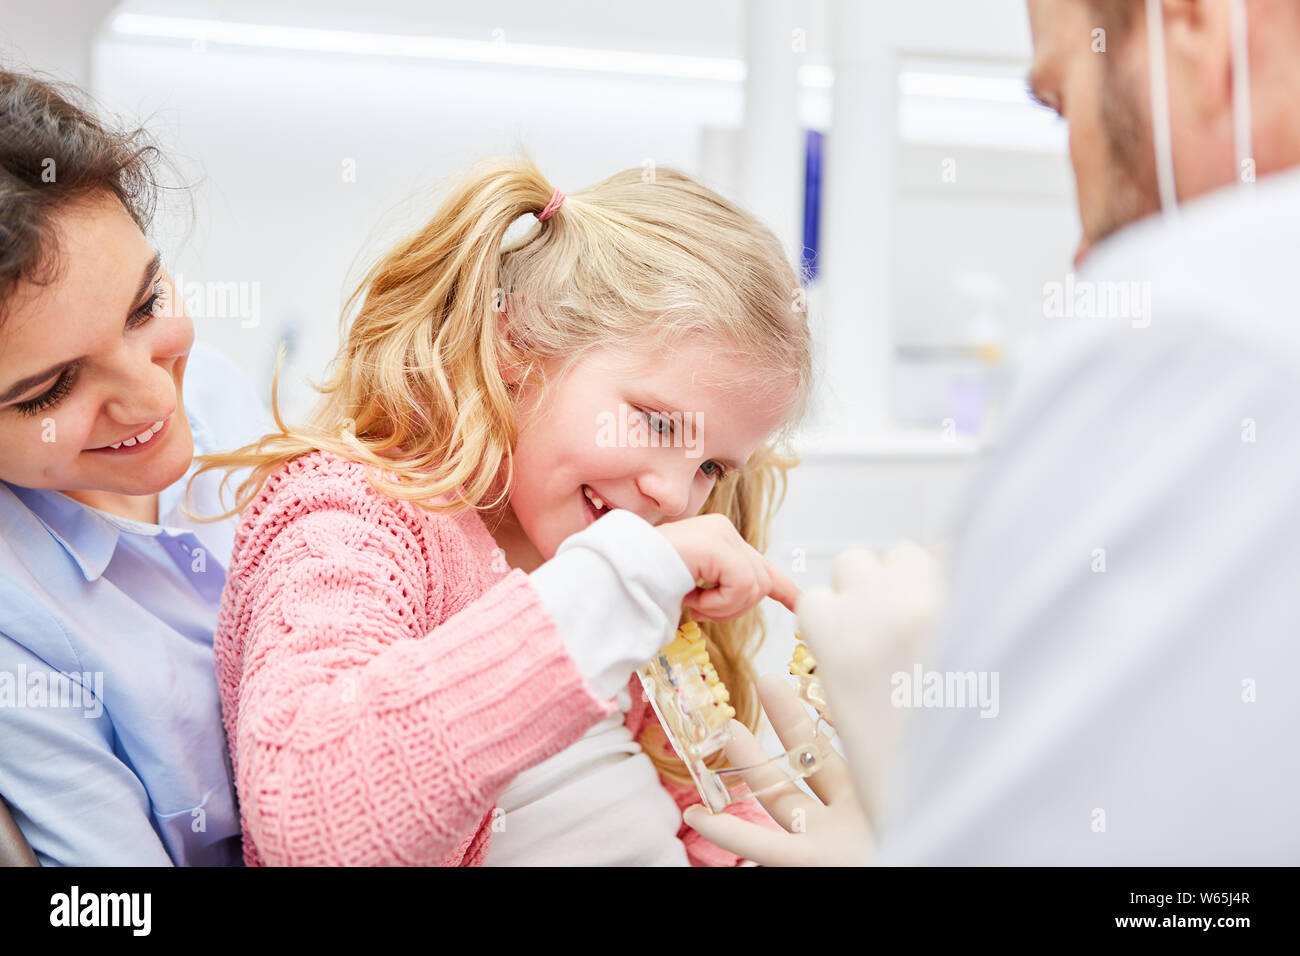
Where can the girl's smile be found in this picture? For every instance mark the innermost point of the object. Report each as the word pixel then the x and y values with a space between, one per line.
pixel 593 510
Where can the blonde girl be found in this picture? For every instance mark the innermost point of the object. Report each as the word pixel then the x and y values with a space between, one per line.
pixel 530 461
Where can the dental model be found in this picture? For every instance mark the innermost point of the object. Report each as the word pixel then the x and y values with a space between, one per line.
pixel 691 703
pixel 803 666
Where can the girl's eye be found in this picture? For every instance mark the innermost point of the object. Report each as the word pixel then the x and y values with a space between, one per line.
pixel 56 393
pixel 150 307
pixel 654 418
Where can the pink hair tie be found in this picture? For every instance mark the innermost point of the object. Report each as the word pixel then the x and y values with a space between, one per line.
pixel 557 197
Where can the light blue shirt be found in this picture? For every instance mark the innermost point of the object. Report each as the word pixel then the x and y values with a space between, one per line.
pixel 112 750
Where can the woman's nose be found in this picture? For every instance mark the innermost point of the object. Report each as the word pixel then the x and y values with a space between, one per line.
pixel 143 392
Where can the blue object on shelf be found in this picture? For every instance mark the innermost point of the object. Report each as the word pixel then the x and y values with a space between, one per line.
pixel 812 201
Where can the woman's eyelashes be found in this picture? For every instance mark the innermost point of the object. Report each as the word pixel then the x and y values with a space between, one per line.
pixel 55 394
pixel 149 308
pixel 59 390
pixel 655 417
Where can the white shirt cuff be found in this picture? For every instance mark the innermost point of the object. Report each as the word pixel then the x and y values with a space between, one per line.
pixel 615 593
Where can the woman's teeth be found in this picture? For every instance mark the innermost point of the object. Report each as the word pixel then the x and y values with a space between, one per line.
pixel 591 496
pixel 141 438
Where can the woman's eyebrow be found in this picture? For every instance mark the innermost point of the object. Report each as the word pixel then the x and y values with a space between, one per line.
pixel 26 384
pixel 146 278
pixel 23 385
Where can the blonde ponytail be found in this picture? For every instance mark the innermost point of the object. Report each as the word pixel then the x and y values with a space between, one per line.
pixel 415 389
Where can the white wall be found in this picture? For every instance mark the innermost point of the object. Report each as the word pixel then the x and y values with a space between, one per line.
pixel 53 36
pixel 270 133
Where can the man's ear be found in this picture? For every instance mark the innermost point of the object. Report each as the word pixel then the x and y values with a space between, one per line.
pixel 1198 47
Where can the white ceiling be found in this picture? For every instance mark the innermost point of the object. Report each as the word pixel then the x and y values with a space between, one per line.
pixel 975 28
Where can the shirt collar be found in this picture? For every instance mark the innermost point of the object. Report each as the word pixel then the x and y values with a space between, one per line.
pixel 85 533
pixel 89 535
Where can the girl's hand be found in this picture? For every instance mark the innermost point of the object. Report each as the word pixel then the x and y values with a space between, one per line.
pixel 732 576
pixel 830 829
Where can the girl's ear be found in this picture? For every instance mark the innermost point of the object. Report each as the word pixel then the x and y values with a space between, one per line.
pixel 510 372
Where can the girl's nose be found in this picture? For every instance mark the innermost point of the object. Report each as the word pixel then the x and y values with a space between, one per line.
pixel 670 489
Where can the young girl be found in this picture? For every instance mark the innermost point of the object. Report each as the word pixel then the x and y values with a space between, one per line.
pixel 112 747
pixel 528 460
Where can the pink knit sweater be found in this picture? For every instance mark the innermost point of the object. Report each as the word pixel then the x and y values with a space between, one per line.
pixel 381 684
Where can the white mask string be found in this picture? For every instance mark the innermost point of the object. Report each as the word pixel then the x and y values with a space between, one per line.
pixel 1241 95
pixel 1241 105
pixel 1160 128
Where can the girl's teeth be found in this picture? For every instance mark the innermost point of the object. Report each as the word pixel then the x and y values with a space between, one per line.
pixel 591 496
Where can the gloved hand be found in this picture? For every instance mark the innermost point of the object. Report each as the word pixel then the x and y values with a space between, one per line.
pixel 875 622
pixel 827 830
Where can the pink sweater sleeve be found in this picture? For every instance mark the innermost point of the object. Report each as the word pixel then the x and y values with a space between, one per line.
pixel 362 732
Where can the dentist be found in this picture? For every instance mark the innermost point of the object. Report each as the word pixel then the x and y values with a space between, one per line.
pixel 1127 562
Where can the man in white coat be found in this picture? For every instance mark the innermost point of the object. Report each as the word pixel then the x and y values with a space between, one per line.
pixel 1127 572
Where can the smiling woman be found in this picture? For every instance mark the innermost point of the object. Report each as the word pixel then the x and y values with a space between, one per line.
pixel 104 577
pixel 93 368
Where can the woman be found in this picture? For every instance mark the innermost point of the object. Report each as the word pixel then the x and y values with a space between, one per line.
pixel 113 746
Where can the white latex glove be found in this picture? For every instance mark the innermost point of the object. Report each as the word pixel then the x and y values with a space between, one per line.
pixel 829 829
pixel 875 621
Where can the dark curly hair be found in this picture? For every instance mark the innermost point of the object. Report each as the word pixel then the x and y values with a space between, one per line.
pixel 54 151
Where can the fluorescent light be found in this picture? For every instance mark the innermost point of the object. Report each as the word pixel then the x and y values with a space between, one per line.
pixel 715 69
pixel 428 47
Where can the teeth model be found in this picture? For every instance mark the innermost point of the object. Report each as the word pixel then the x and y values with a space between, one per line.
pixel 803 666
pixel 693 707
pixel 700 690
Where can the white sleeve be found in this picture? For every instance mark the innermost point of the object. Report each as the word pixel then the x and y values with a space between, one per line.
pixel 615 593
pixel 1125 585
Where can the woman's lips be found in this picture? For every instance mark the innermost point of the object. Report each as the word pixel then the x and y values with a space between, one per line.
pixel 139 447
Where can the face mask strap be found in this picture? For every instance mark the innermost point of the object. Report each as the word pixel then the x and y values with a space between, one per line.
pixel 1241 92
pixel 1160 109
